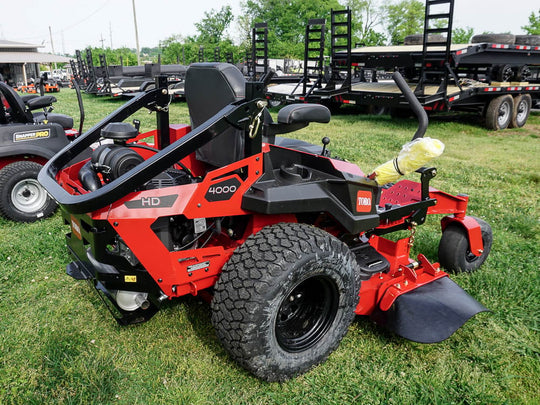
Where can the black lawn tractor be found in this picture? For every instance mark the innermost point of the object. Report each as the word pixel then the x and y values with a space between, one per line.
pixel 30 134
pixel 285 241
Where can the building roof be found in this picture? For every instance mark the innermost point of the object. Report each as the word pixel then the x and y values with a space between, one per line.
pixel 13 44
pixel 31 57
pixel 20 52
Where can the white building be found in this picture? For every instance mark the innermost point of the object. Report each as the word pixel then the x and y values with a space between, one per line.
pixel 19 62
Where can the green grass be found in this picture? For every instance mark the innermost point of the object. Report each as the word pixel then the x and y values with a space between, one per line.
pixel 60 345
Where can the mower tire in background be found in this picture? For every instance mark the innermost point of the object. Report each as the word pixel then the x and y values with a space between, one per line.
pixel 22 198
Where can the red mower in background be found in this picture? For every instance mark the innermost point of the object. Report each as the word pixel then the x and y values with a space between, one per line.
pixel 286 241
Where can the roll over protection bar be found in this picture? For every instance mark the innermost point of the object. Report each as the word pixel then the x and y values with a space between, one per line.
pixel 415 105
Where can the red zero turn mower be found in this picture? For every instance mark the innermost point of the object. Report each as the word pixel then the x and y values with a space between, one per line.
pixel 285 240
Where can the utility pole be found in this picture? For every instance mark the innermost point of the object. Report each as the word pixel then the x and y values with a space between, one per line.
pixel 136 33
pixel 52 44
pixel 110 33
pixel 102 41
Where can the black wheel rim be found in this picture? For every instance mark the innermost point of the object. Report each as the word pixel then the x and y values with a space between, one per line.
pixel 306 314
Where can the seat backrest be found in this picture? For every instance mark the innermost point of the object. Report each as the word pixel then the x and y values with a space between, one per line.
pixel 18 111
pixel 209 88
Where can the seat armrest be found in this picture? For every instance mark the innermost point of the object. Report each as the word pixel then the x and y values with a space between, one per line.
pixel 303 113
pixel 40 102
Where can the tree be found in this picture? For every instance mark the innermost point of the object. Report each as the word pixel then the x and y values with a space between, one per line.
pixel 114 56
pixel 366 16
pixel 462 35
pixel 533 28
pixel 404 18
pixel 287 21
pixel 214 24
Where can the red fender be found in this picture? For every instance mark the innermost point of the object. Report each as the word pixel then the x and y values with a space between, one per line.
pixel 471 226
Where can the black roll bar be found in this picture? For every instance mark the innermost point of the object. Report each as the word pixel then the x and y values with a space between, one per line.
pixel 415 105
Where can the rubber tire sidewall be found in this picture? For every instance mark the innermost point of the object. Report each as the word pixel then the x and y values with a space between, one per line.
pixel 12 174
pixel 506 39
pixel 527 100
pixel 532 40
pixel 454 245
pixel 256 280
pixel 492 112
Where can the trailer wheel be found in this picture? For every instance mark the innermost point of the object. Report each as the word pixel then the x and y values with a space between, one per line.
pixel 499 112
pixel 22 198
pixel 504 73
pixel 523 73
pixel 285 300
pixel 454 252
pixel 522 109
pixel 274 103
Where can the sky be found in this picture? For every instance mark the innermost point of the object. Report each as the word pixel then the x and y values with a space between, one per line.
pixel 77 24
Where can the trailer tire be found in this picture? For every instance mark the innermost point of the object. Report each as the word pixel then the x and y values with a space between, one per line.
pixel 285 299
pixel 22 198
pixel 499 112
pixel 506 39
pixel 454 252
pixel 400 113
pixel 503 73
pixel 528 40
pixel 522 73
pixel 418 39
pixel 522 109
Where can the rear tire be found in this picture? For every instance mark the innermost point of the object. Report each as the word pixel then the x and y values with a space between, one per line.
pixel 285 300
pixel 499 112
pixel 22 198
pixel 454 252
pixel 522 109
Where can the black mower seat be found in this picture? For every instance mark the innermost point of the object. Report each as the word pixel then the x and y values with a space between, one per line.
pixel 64 120
pixel 209 88
pixel 18 110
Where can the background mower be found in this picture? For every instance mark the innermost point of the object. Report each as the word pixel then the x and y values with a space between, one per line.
pixel 30 134
pixel 285 241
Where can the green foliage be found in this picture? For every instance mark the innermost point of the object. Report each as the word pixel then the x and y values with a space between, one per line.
pixel 404 18
pixel 533 28
pixel 212 27
pixel 462 35
pixel 287 21
pixel 114 56
pixel 366 16
pixel 60 345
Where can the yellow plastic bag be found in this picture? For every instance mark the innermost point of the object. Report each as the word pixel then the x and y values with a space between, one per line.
pixel 412 156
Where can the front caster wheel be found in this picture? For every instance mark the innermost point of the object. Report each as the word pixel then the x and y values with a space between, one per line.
pixel 454 252
pixel 285 300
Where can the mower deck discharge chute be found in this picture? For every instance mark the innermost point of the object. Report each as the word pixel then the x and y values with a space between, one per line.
pixel 286 241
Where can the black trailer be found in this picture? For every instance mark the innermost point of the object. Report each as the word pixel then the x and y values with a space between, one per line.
pixel 499 80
